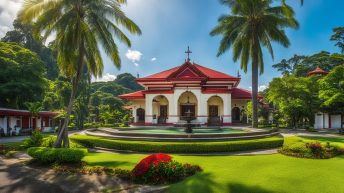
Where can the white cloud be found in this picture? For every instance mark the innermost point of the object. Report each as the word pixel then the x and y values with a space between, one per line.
pixel 106 78
pixel 153 59
pixel 260 88
pixel 136 64
pixel 8 12
pixel 133 55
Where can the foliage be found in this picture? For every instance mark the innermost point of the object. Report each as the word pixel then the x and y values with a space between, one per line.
pixel 22 34
pixel 301 102
pixel 34 108
pixel 332 90
pixel 21 70
pixel 338 37
pixel 145 164
pixel 178 147
pixel 160 169
pixel 251 25
pixel 35 139
pixel 81 28
pixel 299 65
pixel 311 149
pixel 47 155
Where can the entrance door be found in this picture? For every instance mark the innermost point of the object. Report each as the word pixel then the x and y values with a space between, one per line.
pixel 163 114
pixel 187 108
pixel 140 113
pixel 213 111
pixel 236 114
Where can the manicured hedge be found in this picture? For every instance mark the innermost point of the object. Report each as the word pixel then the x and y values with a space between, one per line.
pixel 179 147
pixel 56 155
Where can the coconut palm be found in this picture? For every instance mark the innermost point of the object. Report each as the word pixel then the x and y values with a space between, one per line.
pixel 81 27
pixel 251 25
pixel 34 109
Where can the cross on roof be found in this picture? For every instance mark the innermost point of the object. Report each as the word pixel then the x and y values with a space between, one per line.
pixel 188 52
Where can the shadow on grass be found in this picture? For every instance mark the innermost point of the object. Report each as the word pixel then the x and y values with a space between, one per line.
pixel 242 188
pixel 205 183
pixel 201 182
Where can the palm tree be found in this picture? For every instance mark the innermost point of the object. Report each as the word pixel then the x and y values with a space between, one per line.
pixel 81 27
pixel 34 108
pixel 251 25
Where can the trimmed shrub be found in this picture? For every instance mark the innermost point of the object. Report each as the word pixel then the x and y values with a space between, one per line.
pixel 48 155
pixel 178 147
pixel 35 139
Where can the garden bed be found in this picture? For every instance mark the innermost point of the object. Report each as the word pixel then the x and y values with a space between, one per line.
pixel 179 147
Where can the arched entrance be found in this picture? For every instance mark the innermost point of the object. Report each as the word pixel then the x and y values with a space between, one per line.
pixel 187 104
pixel 140 114
pixel 215 111
pixel 236 115
pixel 160 109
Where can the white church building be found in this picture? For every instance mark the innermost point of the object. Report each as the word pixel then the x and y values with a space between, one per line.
pixel 212 97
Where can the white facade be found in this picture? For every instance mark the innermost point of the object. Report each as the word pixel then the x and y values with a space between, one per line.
pixel 327 121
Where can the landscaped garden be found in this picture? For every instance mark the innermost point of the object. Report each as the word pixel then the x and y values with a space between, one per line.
pixel 258 173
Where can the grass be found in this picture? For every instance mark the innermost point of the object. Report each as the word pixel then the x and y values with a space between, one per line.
pixel 253 174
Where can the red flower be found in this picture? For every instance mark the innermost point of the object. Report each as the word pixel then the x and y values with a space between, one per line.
pixel 145 164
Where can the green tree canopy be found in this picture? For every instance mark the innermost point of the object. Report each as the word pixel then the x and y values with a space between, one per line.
pixel 338 37
pixel 23 35
pixel 295 97
pixel 332 90
pixel 22 76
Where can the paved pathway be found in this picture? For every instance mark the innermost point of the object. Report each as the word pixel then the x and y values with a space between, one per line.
pixel 15 177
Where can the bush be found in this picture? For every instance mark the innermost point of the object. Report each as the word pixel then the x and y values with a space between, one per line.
pixel 91 125
pixel 48 155
pixel 35 139
pixel 160 169
pixel 178 147
pixel 313 149
pixel 144 165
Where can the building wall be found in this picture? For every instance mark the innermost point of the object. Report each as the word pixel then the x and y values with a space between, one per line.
pixel 201 107
pixel 335 121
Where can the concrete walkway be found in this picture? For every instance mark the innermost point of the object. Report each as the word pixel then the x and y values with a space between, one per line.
pixel 16 177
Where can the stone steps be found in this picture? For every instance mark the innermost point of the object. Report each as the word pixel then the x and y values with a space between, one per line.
pixel 178 138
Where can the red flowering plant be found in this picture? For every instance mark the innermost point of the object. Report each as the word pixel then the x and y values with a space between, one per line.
pixel 145 164
pixel 161 169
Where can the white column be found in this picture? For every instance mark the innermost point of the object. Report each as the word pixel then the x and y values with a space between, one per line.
pixel 134 114
pixel 202 108
pixel 172 109
pixel 227 110
pixel 149 109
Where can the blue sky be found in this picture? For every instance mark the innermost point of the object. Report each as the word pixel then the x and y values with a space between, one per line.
pixel 169 26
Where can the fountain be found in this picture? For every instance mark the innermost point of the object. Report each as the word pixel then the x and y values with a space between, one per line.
pixel 188 119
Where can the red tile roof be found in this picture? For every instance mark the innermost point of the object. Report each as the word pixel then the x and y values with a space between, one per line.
pixel 239 93
pixel 199 70
pixel 17 112
pixel 317 71
pixel 133 95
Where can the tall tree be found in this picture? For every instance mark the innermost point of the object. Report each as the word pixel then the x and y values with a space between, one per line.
pixel 22 76
pixel 338 37
pixel 332 91
pixel 23 35
pixel 251 25
pixel 81 28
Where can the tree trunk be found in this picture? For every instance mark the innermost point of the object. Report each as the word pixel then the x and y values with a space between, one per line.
pixel 255 59
pixel 63 134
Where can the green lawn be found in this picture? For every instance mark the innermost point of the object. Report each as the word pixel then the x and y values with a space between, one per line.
pixel 252 174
